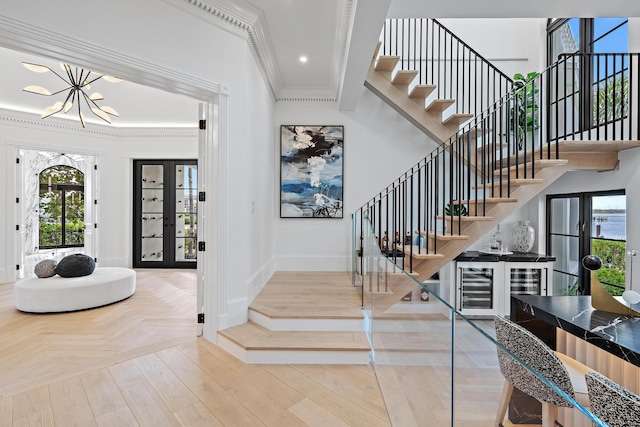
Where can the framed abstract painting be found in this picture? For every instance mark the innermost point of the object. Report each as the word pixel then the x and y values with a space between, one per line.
pixel 311 171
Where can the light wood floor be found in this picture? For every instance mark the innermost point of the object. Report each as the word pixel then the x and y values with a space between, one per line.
pixel 139 363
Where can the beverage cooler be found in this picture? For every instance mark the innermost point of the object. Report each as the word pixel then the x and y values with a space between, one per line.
pixel 484 288
pixel 478 289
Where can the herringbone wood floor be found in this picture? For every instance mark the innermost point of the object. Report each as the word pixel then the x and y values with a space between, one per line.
pixel 138 363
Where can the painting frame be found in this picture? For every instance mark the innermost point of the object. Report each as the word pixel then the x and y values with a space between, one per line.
pixel 311 171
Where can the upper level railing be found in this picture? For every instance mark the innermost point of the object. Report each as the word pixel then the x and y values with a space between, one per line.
pixel 443 60
pixel 582 97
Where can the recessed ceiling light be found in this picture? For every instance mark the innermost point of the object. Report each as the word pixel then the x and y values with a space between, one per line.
pixel 303 59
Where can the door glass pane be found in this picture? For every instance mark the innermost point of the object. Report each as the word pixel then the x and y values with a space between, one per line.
pixel 566 251
pixel 565 216
pixel 477 288
pixel 565 244
pixel 186 221
pixel 564 284
pixel 152 213
pixel 608 240
pixel 74 218
pixel 525 281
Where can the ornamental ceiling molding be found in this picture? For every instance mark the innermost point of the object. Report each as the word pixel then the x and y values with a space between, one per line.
pixel 24 37
pixel 244 21
pixel 248 22
pixel 345 19
pixel 33 121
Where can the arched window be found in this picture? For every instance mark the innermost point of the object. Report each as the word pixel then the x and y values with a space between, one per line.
pixel 61 207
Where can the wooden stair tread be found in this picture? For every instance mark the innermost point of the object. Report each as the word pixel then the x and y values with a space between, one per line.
pixel 420 253
pixel 465 218
pixel 595 146
pixel 251 336
pixel 404 77
pixel 386 63
pixel 513 182
pixel 420 92
pixel 475 132
pixel 539 164
pixel 488 200
pixel 440 104
pixel 457 119
pixel 442 236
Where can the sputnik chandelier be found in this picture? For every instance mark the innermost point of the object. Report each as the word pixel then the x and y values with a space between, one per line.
pixel 78 82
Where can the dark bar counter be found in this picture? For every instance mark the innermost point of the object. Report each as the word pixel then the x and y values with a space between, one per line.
pixel 614 333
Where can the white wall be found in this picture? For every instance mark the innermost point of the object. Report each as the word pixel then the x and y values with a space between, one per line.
pixel 379 146
pixel 512 45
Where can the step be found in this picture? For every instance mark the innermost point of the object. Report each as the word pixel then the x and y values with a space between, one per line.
pixel 305 322
pixel 443 236
pixel 476 133
pixel 439 105
pixel 487 203
pixel 457 119
pixel 539 164
pixel 513 183
pixel 252 343
pixel 464 218
pixel 420 92
pixel 404 77
pixel 386 63
pixel 419 253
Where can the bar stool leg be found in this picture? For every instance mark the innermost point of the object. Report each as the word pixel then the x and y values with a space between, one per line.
pixel 507 390
pixel 549 414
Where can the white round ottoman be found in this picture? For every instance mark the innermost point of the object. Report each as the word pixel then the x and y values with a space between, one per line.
pixel 104 286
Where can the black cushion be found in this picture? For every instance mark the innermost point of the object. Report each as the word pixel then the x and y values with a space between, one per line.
pixel 75 265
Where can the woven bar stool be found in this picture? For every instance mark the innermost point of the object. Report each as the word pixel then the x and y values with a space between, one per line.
pixel 612 403
pixel 566 373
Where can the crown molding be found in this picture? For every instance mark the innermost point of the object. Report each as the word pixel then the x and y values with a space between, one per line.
pixel 33 121
pixel 346 17
pixel 27 38
pixel 243 20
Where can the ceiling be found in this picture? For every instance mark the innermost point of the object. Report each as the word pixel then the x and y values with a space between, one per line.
pixel 336 35
pixel 137 105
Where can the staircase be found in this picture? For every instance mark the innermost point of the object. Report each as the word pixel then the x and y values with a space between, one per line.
pixel 485 163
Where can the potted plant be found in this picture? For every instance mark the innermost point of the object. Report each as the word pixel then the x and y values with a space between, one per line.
pixel 523 110
pixel 456 210
pixel 453 211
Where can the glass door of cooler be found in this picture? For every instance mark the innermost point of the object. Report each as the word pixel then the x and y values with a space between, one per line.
pixel 478 288
pixel 165 213
pixel 525 279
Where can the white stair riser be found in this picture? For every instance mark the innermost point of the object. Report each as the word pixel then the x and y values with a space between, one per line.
pixel 295 357
pixel 339 325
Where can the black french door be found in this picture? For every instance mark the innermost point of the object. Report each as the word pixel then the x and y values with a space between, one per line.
pixel 581 224
pixel 165 213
